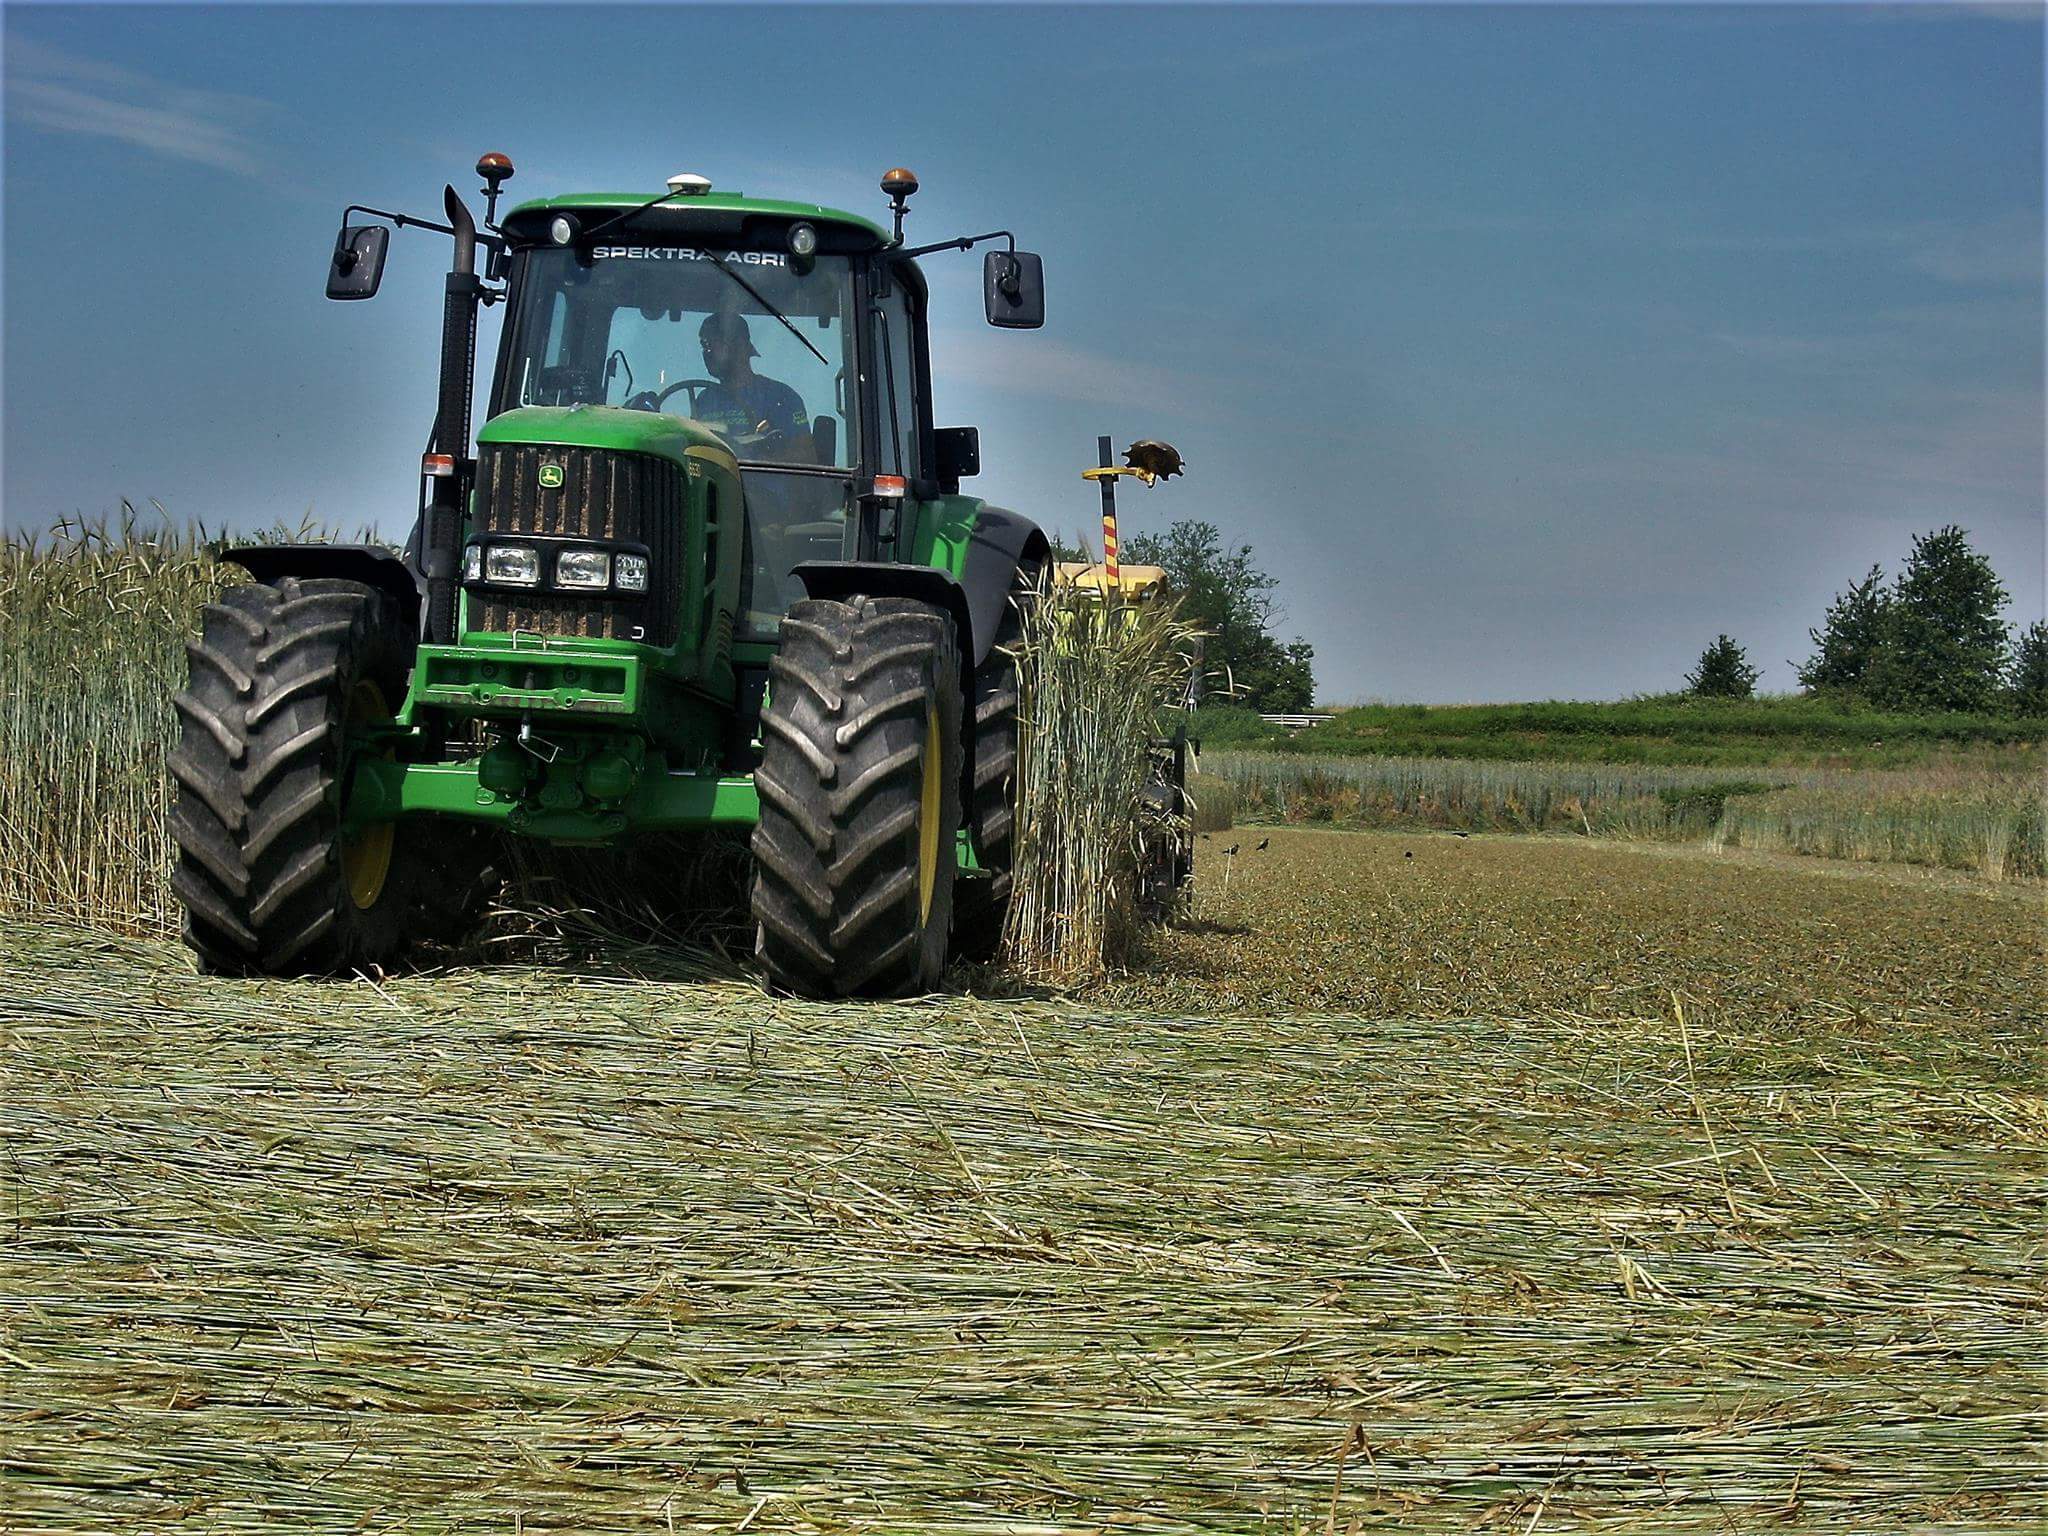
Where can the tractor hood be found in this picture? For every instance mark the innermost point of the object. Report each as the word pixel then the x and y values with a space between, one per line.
pixel 610 427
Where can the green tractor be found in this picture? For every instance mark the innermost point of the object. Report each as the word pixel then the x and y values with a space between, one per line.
pixel 706 565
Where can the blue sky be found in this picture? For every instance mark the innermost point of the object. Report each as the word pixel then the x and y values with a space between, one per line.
pixel 1531 347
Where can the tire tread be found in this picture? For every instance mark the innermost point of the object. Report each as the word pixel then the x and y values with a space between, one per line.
pixel 835 892
pixel 257 815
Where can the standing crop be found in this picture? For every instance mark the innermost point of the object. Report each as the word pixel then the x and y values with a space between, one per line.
pixel 93 623
pixel 1094 673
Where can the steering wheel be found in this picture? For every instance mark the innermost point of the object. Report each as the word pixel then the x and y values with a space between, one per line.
pixel 654 400
pixel 692 385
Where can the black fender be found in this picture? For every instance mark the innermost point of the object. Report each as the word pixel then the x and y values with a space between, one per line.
pixel 888 578
pixel 1001 545
pixel 371 564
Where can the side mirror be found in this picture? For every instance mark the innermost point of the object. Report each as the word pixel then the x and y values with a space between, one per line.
pixel 357 266
pixel 1013 290
pixel 959 455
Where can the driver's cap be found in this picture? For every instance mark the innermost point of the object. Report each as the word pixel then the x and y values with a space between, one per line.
pixel 727 325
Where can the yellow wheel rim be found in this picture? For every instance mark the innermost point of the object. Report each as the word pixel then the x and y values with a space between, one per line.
pixel 366 857
pixel 929 807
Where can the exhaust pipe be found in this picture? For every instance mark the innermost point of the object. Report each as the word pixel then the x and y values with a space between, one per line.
pixel 441 544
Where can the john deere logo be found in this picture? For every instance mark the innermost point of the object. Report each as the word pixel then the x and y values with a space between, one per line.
pixel 551 476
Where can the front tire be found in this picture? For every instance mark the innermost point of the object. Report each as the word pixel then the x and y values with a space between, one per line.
pixel 859 781
pixel 281 678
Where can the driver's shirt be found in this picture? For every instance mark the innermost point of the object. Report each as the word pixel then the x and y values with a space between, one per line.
pixel 757 406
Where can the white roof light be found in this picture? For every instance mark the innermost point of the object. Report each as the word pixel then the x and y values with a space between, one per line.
pixel 687 185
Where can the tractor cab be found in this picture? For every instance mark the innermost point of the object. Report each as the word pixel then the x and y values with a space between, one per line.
pixel 746 320
pixel 793 333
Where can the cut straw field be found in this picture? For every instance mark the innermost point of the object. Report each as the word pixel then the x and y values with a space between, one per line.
pixel 506 1250
pixel 1949 815
pixel 1419 922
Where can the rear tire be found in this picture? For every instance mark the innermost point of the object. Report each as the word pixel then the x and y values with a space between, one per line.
pixel 981 906
pixel 859 781
pixel 269 883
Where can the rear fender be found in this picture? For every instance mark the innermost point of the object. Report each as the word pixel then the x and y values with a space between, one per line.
pixel 1000 545
pixel 370 564
pixel 886 578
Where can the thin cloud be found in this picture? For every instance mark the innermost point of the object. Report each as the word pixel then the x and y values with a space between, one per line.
pixel 1898 342
pixel 1995 251
pixel 1052 369
pixel 1971 450
pixel 61 92
pixel 2002 249
pixel 2025 12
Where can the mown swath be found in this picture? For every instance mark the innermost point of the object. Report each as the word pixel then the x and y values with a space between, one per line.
pixel 559 1252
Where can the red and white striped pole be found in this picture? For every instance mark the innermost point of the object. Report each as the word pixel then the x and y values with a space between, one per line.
pixel 1109 567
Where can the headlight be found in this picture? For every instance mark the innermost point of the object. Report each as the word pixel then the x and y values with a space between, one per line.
pixel 632 573
pixel 562 231
pixel 803 241
pixel 586 569
pixel 473 563
pixel 516 565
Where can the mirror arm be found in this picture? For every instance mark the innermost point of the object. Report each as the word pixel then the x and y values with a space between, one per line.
pixel 407 221
pixel 965 242
pixel 402 220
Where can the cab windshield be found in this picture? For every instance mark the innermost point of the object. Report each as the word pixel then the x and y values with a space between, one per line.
pixel 752 344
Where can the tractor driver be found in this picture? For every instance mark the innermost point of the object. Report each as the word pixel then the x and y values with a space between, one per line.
pixel 761 417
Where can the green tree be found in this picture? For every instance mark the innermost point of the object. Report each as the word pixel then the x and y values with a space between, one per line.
pixel 2027 683
pixel 1850 637
pixel 1224 591
pixel 1723 672
pixel 1944 642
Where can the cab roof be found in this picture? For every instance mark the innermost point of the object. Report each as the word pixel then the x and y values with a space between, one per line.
pixel 724 214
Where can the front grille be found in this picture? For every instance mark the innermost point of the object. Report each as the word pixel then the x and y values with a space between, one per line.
pixel 632 497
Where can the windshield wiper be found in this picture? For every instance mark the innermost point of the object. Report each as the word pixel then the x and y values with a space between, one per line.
pixel 633 213
pixel 787 323
pixel 716 260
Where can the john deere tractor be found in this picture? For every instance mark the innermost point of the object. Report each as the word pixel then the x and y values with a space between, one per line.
pixel 706 564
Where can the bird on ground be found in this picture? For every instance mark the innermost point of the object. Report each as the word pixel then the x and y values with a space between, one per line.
pixel 1407 853
pixel 1230 850
pixel 1461 834
pixel 1262 845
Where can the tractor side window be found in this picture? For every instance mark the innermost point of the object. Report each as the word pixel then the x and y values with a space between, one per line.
pixel 896 386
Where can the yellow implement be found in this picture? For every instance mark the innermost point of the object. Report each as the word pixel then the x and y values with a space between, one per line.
pixel 1137 583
